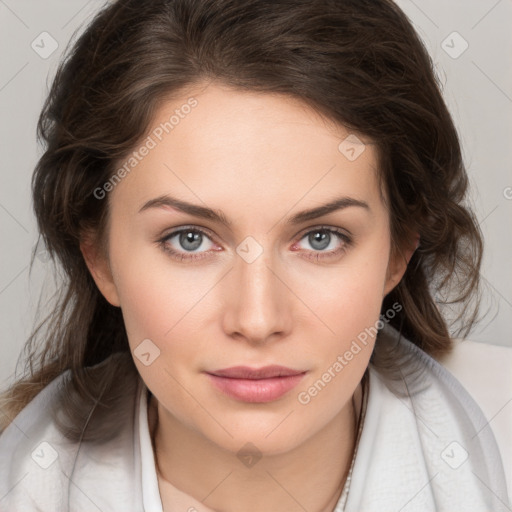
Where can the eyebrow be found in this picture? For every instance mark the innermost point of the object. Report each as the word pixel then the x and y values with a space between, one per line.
pixel 218 216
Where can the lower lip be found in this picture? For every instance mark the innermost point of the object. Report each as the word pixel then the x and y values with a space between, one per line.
pixel 256 390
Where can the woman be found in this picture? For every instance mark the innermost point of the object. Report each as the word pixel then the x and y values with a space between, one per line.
pixel 285 359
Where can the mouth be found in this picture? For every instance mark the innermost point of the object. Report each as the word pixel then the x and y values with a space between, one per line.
pixel 256 385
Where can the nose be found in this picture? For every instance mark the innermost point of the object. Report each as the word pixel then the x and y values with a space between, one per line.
pixel 258 309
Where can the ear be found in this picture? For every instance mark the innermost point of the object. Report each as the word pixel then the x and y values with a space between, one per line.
pixel 398 261
pixel 98 264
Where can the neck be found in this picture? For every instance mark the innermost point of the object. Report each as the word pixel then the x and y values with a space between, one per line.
pixel 309 477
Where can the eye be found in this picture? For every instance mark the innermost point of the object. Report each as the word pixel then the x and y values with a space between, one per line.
pixel 186 243
pixel 326 242
pixel 191 243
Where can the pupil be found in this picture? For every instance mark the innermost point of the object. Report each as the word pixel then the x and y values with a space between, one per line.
pixel 320 240
pixel 190 237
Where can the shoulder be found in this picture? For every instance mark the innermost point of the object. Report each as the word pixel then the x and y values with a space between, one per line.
pixel 474 377
pixel 43 469
pixel 485 372
pixel 425 402
pixel 477 373
pixel 29 447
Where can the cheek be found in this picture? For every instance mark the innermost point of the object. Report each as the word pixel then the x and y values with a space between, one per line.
pixel 149 307
pixel 351 297
pixel 155 296
pixel 351 305
pixel 160 312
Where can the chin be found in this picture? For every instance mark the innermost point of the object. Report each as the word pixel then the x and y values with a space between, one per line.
pixel 267 438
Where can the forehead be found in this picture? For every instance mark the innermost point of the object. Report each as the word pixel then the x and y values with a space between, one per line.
pixel 224 146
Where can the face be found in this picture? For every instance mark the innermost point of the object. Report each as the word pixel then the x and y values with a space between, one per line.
pixel 245 276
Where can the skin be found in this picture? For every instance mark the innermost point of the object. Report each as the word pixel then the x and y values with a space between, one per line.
pixel 259 158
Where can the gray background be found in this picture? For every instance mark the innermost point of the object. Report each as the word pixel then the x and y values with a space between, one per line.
pixel 477 87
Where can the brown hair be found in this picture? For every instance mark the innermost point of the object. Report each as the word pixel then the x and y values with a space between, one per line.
pixel 358 62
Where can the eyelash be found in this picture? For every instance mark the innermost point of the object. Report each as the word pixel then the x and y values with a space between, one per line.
pixel 318 255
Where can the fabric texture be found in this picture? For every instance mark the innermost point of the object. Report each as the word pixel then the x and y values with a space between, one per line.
pixel 425 446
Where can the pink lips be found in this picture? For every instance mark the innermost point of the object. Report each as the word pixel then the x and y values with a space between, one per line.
pixel 256 384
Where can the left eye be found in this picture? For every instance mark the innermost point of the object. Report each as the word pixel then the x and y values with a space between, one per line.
pixel 326 241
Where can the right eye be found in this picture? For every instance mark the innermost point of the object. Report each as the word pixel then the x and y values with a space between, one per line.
pixel 185 243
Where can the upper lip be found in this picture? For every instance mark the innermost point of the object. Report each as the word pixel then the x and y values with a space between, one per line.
pixel 265 372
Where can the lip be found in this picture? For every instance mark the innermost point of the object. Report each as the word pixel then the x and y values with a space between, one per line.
pixel 260 385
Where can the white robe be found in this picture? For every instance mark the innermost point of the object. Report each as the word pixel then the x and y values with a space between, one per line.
pixel 425 446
